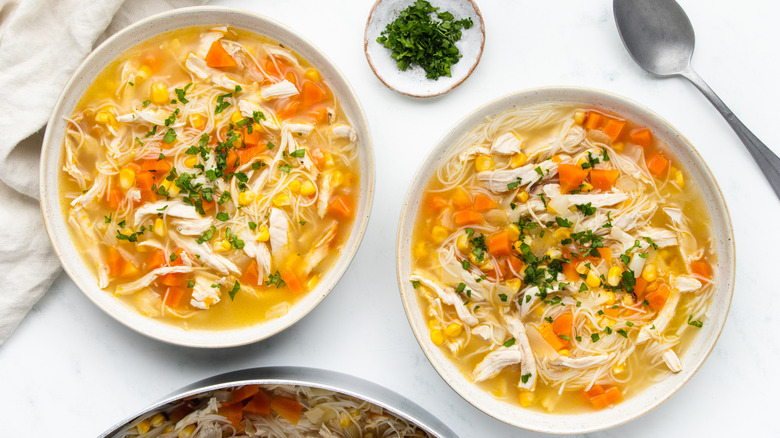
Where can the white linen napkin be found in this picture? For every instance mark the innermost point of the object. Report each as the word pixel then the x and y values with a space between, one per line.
pixel 41 44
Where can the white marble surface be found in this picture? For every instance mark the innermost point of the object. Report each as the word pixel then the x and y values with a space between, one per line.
pixel 70 370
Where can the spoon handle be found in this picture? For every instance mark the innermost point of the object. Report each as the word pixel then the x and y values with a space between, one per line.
pixel 765 158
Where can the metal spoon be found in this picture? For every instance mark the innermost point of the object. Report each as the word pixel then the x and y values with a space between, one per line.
pixel 659 36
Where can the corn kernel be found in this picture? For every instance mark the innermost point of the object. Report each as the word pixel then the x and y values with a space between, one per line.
pixel 158 420
pixel 593 280
pixel 263 234
pixel 610 298
pixel 312 75
pixel 518 160
pixel 628 300
pixel 187 431
pixel 439 234
pixel 160 93
pixel 105 118
pixel 129 270
pixel 650 273
pixel 344 420
pixel 564 352
pixel 679 178
pixel 236 117
pixel 453 330
pixel 539 310
pixel 159 227
pixel 173 190
pixel 126 232
pixel 619 146
pixel 144 72
pixel 437 337
pixel 143 426
pixel 483 163
pixel 197 121
pixel 618 369
pixel 313 281
pixel 222 246
pixel 126 178
pixel 246 197
pixel 522 196
pixel 579 117
pixel 526 398
pixel 191 161
pixel 518 246
pixel 281 200
pixel 295 186
pixel 614 275
pixel 514 284
pixel 329 162
pixel 420 250
pixel 487 266
pixel 336 178
pixel 169 428
pixel 307 188
pixel 554 253
pixel 586 187
pixel 562 233
pixel 463 242
pixel 166 184
pixel 432 323
pixel 582 268
pixel 556 159
pixel 551 209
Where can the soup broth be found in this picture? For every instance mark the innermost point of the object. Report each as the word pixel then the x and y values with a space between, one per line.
pixel 562 257
pixel 210 177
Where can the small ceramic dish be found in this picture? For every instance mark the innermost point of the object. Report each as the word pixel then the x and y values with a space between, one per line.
pixel 693 356
pixel 53 152
pixel 332 381
pixel 413 82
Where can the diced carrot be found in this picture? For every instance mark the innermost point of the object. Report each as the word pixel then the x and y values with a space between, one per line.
pixel 178 260
pixel 173 279
pixel 639 288
pixel 571 176
pixel 115 261
pixel 158 168
pixel 207 205
pixel 176 297
pixel 484 203
pixel 594 391
pixel 152 60
pixel 312 93
pixel 231 160
pixel 658 297
pixel 292 281
pixel 319 114
pixel 245 155
pixel 549 335
pixel 260 404
pixel 292 77
pixel 605 253
pixel 641 136
pixel 289 109
pixel 251 274
pixel 341 207
pixel 563 325
pixel 233 412
pixel 594 120
pixel 611 311
pixel 288 408
pixel 461 199
pixel 499 244
pixel 243 393
pixel 570 270
pixel 251 138
pixel 114 198
pixel 610 396
pixel 144 180
pixel 435 203
pixel 701 268
pixel 604 179
pixel 657 164
pixel 516 264
pixel 467 217
pixel 613 128
pixel 156 259
pixel 218 57
pixel 318 156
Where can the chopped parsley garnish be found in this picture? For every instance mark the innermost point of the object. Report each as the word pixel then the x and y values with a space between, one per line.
pixel 275 279
pixel 513 185
pixel 461 287
pixel 563 222
pixel 465 264
pixel 234 291
pixel 223 216
pixel 146 103
pixel 151 132
pixel 415 283
pixel 622 333
pixel 121 224
pixel 629 323
pixel 502 296
pixel 586 209
pixel 298 153
pixel 221 104
pixel 180 92
pixel 565 338
pixel 190 284
pixel 698 324
pixel 170 136
pixel 608 330
pixel 415 37
pixel 594 337
pixel 539 170
pixel 257 116
pixel 525 377
pixel 172 118
pixel 609 221
pixel 107 219
pixel 235 242
pixel 469 232
pixel 480 248
pixel 583 287
pixel 286 168
pixel 509 342
pixel 604 155
pixel 591 161
pixel 208 235
pixel 628 280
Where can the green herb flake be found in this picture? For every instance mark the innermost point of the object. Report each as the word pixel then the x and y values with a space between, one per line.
pixel 509 342
pixel 234 291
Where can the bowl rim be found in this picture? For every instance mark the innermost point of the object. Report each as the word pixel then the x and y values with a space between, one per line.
pixel 407 218
pixel 335 381
pixel 381 77
pixel 52 150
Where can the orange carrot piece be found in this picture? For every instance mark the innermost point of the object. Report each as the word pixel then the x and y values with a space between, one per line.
pixel 610 396
pixel 701 268
pixel 251 274
pixel 178 260
pixel 641 136
pixel 546 330
pixel 639 288
pixel 312 93
pixel 594 391
pixel 467 217
pixel 516 264
pixel 292 281
pixel 657 164
pixel 260 404
pixel 115 261
pixel 158 168
pixel 245 155
pixel 594 120
pixel 604 179
pixel 144 180
pixel 563 325
pixel 114 198
pixel 288 408
pixel 435 203
pixel 611 311
pixel 658 297
pixel 251 138
pixel 499 244
pixel 605 253
pixel 243 393
pixel 570 270
pixel 173 279
pixel 320 114
pixel 233 412
pixel 289 110
pixel 341 207
pixel 484 203
pixel 218 57
pixel 318 157
pixel 571 176
pixel 461 199
pixel 176 297
pixel 613 128
pixel 156 259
